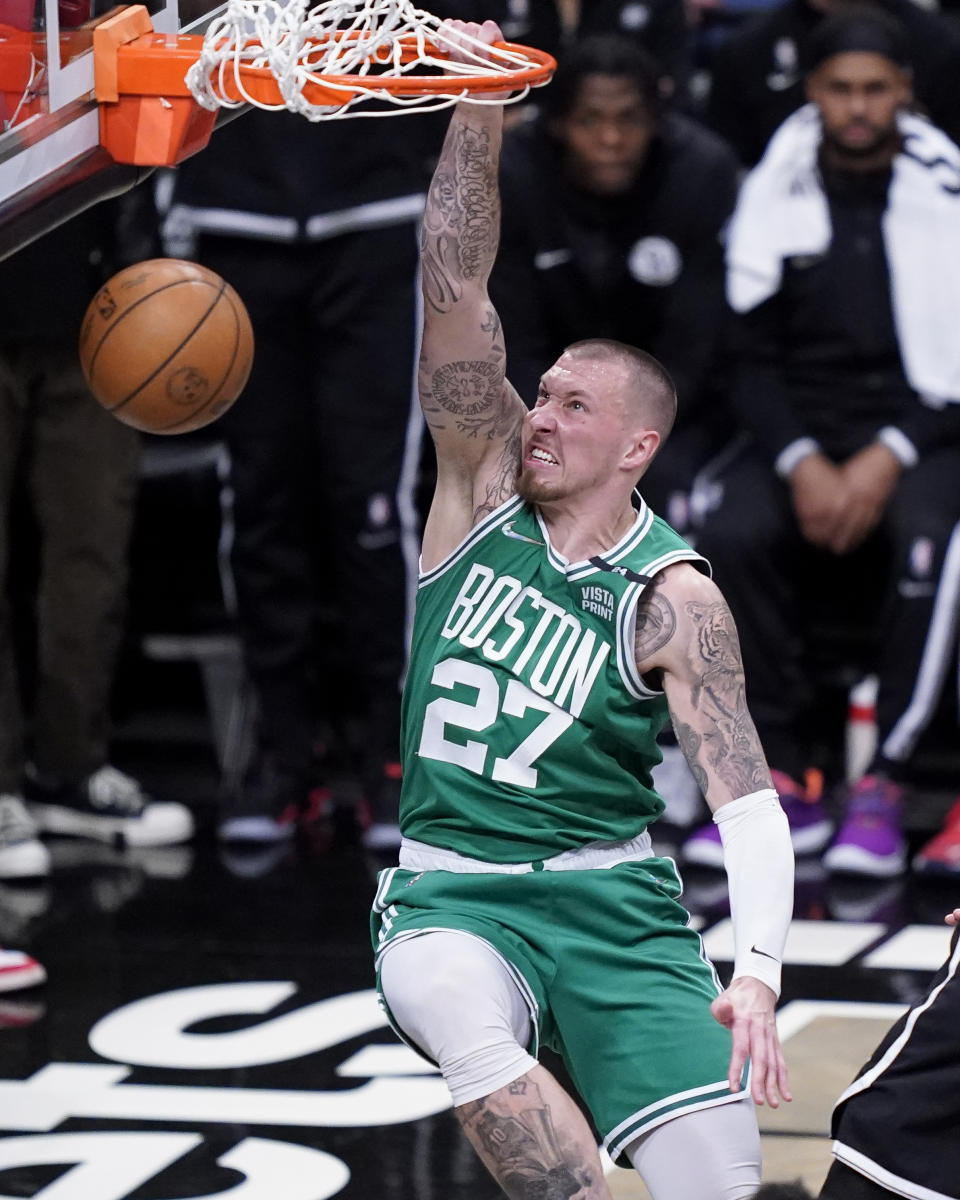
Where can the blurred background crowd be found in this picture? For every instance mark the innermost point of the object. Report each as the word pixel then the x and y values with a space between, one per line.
pixel 793 269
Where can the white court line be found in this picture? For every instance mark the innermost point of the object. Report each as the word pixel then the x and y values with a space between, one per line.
pixel 798 1014
pixel 914 948
pixel 809 943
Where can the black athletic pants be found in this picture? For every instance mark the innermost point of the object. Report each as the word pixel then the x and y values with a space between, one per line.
pixel 324 444
pixel 79 466
pixel 900 1128
pixel 901 589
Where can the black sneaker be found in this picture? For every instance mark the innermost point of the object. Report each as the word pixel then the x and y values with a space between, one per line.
pixel 107 806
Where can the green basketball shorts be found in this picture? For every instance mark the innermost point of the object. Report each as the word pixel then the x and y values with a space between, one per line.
pixel 617 982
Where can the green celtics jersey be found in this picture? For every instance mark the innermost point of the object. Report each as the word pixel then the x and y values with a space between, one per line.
pixel 527 730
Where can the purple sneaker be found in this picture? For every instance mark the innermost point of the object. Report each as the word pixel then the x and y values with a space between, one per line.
pixel 810 827
pixel 870 841
pixel 704 848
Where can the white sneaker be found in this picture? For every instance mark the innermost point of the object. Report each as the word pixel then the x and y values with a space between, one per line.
pixel 22 854
pixel 109 806
pixel 19 970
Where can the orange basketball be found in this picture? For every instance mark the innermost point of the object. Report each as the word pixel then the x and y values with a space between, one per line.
pixel 166 346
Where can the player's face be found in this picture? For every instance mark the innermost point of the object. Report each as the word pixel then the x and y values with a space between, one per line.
pixel 578 432
pixel 606 134
pixel 859 95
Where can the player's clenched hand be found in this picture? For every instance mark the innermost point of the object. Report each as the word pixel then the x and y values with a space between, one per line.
pixel 953 918
pixel 746 1008
pixel 457 39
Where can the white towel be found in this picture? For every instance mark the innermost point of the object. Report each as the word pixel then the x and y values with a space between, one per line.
pixel 782 212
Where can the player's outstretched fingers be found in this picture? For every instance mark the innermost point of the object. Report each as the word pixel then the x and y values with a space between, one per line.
pixel 762 1073
pixel 768 1069
pixel 746 1008
pixel 777 1078
pixel 723 1012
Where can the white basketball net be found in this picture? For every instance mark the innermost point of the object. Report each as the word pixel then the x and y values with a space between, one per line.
pixel 292 42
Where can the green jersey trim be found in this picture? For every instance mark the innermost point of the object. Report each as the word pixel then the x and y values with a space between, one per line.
pixel 616 1142
pixel 583 567
pixel 685 555
pixel 645 519
pixel 573 571
pixel 384 883
pixel 480 530
pixel 627 624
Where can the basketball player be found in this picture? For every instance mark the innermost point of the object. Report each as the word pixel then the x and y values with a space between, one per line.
pixel 555 625
pixel 894 1127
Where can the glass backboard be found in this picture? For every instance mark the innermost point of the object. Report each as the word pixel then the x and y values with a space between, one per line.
pixel 51 163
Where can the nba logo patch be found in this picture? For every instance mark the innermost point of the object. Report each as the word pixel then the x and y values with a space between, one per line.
pixel 634 17
pixel 920 560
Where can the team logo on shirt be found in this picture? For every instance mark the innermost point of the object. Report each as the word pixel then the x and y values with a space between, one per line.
pixel 505 621
pixel 923 553
pixel 634 17
pixel 786 61
pixel 655 261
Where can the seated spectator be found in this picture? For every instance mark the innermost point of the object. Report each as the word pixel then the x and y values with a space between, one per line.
pixel 758 73
pixel 612 212
pixel 844 270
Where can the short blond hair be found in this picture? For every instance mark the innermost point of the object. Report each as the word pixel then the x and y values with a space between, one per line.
pixel 654 393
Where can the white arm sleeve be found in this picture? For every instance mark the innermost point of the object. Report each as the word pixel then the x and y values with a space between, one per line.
pixel 758 856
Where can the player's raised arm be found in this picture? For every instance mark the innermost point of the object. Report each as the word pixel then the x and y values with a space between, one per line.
pixel 685 633
pixel 472 412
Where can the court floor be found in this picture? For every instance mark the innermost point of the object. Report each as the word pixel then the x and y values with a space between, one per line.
pixel 209 1029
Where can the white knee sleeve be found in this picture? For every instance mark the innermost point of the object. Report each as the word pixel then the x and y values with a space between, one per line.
pixel 709 1154
pixel 456 1000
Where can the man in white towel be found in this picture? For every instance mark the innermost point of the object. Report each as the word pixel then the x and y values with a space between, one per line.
pixel 842 269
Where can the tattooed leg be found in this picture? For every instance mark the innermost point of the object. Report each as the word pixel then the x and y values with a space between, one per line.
pixel 535 1141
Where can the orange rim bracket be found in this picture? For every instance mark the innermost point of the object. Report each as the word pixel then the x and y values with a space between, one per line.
pixel 125 26
pixel 148 116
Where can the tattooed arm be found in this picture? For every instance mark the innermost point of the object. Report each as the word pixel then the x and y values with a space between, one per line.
pixel 473 413
pixel 686 633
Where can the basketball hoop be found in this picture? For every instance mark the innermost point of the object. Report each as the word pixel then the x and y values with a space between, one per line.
pixel 323 61
pixel 159 94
